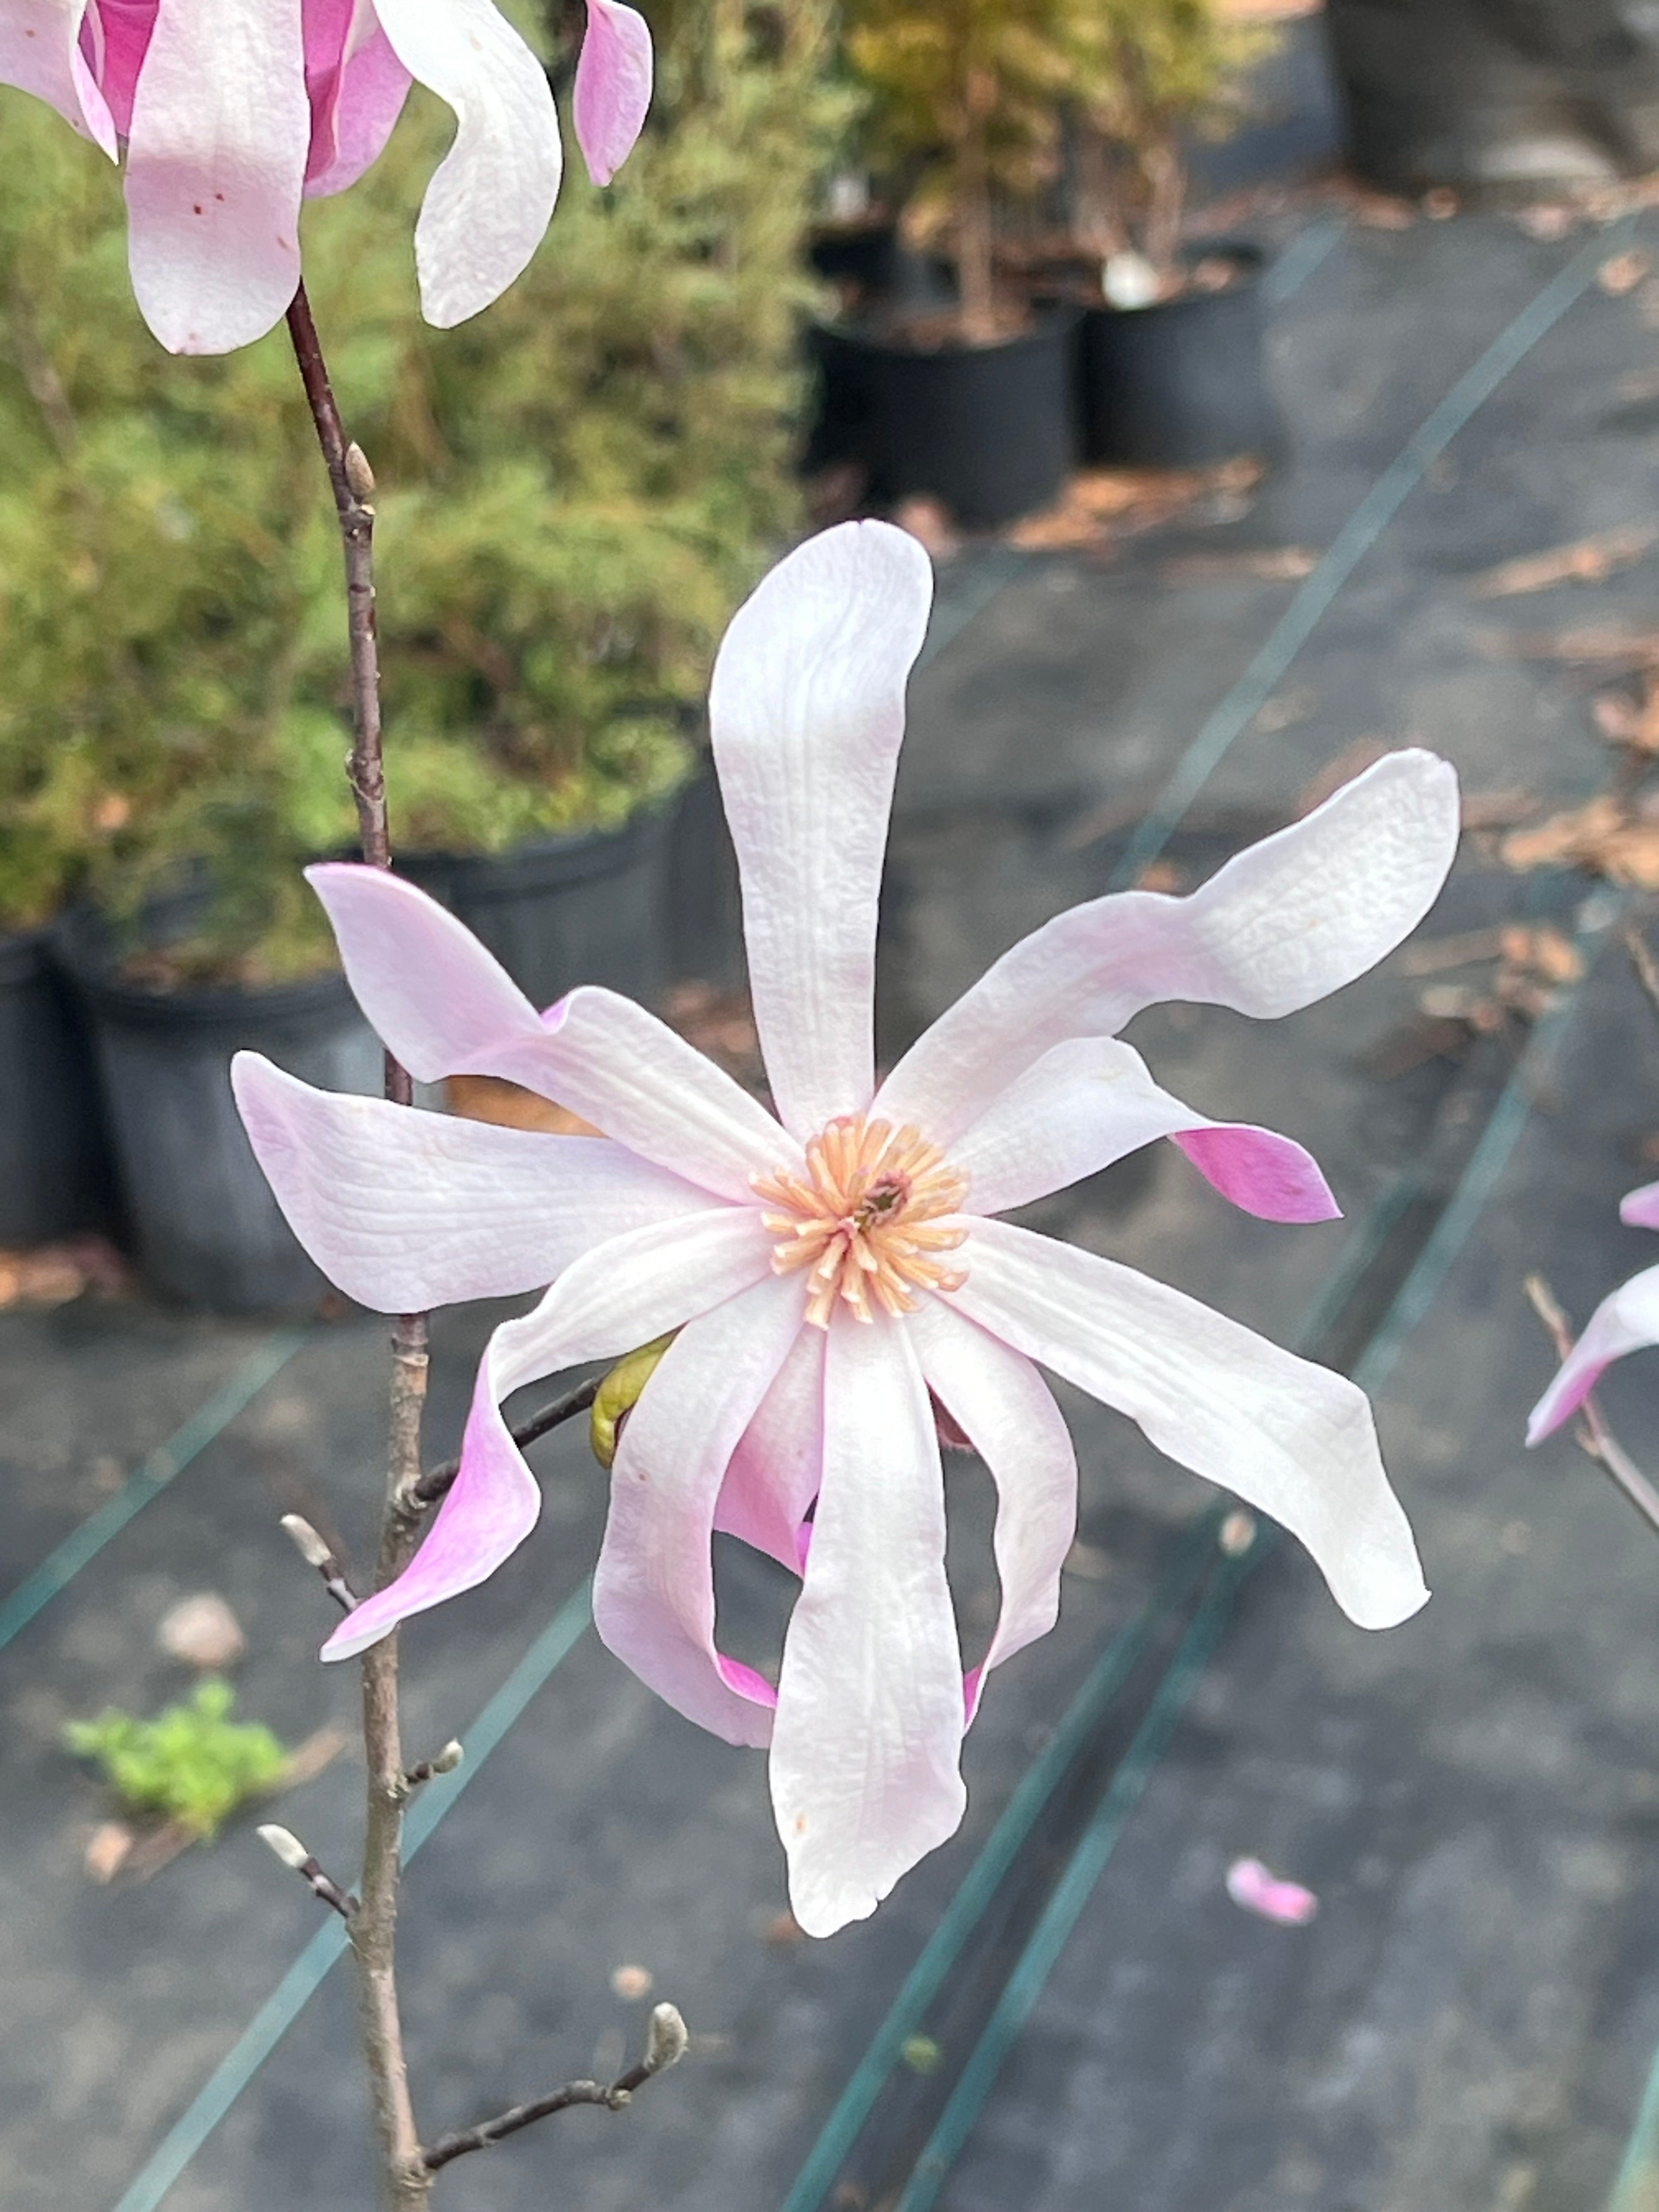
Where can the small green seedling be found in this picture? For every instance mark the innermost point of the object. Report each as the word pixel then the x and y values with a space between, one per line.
pixel 192 1763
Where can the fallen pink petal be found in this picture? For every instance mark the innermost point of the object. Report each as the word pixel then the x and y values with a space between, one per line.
pixel 832 1272
pixel 1269 1896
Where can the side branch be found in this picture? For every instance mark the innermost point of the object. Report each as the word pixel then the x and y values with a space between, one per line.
pixel 1594 1437
pixel 665 2047
pixel 435 1484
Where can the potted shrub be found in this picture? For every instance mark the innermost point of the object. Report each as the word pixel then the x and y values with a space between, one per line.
pixel 54 1173
pixel 1171 371
pixel 962 397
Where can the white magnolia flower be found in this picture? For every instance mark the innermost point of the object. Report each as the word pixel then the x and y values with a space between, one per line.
pixel 833 1271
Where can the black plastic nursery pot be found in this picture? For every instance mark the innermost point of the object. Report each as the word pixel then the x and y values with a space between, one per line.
pixel 1507 96
pixel 55 1175
pixel 985 430
pixel 560 911
pixel 860 255
pixel 204 1227
pixel 1182 383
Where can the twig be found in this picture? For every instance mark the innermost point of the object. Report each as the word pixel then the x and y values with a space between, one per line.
pixel 665 2044
pixel 436 1483
pixel 427 1769
pixel 314 1551
pixel 292 1853
pixel 1594 1435
pixel 405 2179
pixel 1646 967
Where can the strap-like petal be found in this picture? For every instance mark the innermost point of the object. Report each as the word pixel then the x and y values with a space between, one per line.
pixel 1091 1101
pixel 776 1470
pixel 1007 1412
pixel 806 712
pixel 1284 923
pixel 40 54
pixel 492 196
pixel 613 86
pixel 1626 1321
pixel 356 87
pixel 1639 1209
pixel 653 1590
pixel 216 169
pixel 868 1735
pixel 406 1209
pixel 446 1006
pixel 617 1297
pixel 1290 1438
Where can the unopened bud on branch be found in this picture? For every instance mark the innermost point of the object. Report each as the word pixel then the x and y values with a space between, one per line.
pixel 359 475
pixel 307 1542
pixel 666 2039
pixel 286 1844
pixel 449 1758
pixel 619 1394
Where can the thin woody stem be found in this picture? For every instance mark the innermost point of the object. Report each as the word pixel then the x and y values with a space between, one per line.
pixel 405 2178
pixel 1594 1437
pixel 665 2046
pixel 436 1483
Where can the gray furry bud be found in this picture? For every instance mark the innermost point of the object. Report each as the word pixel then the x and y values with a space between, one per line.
pixel 666 2039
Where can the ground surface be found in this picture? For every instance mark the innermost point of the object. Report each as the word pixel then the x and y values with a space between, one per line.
pixel 1475 1797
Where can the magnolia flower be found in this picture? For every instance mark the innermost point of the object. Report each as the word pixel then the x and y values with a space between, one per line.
pixel 834 1272
pixel 1626 1321
pixel 232 111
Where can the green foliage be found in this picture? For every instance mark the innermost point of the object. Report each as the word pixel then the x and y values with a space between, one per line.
pixel 971 90
pixel 192 1763
pixel 575 490
pixel 1143 73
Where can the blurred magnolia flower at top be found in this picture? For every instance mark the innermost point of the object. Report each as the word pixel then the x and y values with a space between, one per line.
pixel 231 112
pixel 834 1272
pixel 1628 1320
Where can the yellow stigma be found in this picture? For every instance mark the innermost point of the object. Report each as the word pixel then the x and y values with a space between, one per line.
pixel 867 1220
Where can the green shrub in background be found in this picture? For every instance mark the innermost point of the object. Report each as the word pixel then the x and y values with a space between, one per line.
pixel 193 1763
pixel 1144 75
pixel 574 491
pixel 967 94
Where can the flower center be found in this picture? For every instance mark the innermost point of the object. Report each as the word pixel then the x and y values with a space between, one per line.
pixel 866 1219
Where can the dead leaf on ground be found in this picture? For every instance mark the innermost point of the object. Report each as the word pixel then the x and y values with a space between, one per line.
pixel 108 1848
pixel 929 522
pixel 1100 505
pixel 1497 810
pixel 1547 220
pixel 1632 723
pixel 1611 648
pixel 1623 272
pixel 510 1106
pixel 1585 561
pixel 53 1274
pixel 1272 564
pixel 1607 839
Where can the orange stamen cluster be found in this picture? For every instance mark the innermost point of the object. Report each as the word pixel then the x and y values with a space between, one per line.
pixel 867 1220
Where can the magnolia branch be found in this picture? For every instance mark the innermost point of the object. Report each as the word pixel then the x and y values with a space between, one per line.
pixel 1594 1437
pixel 665 2046
pixel 373 1924
pixel 436 1483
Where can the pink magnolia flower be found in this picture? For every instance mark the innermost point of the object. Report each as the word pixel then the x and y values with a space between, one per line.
pixel 833 1271
pixel 1626 1321
pixel 232 111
